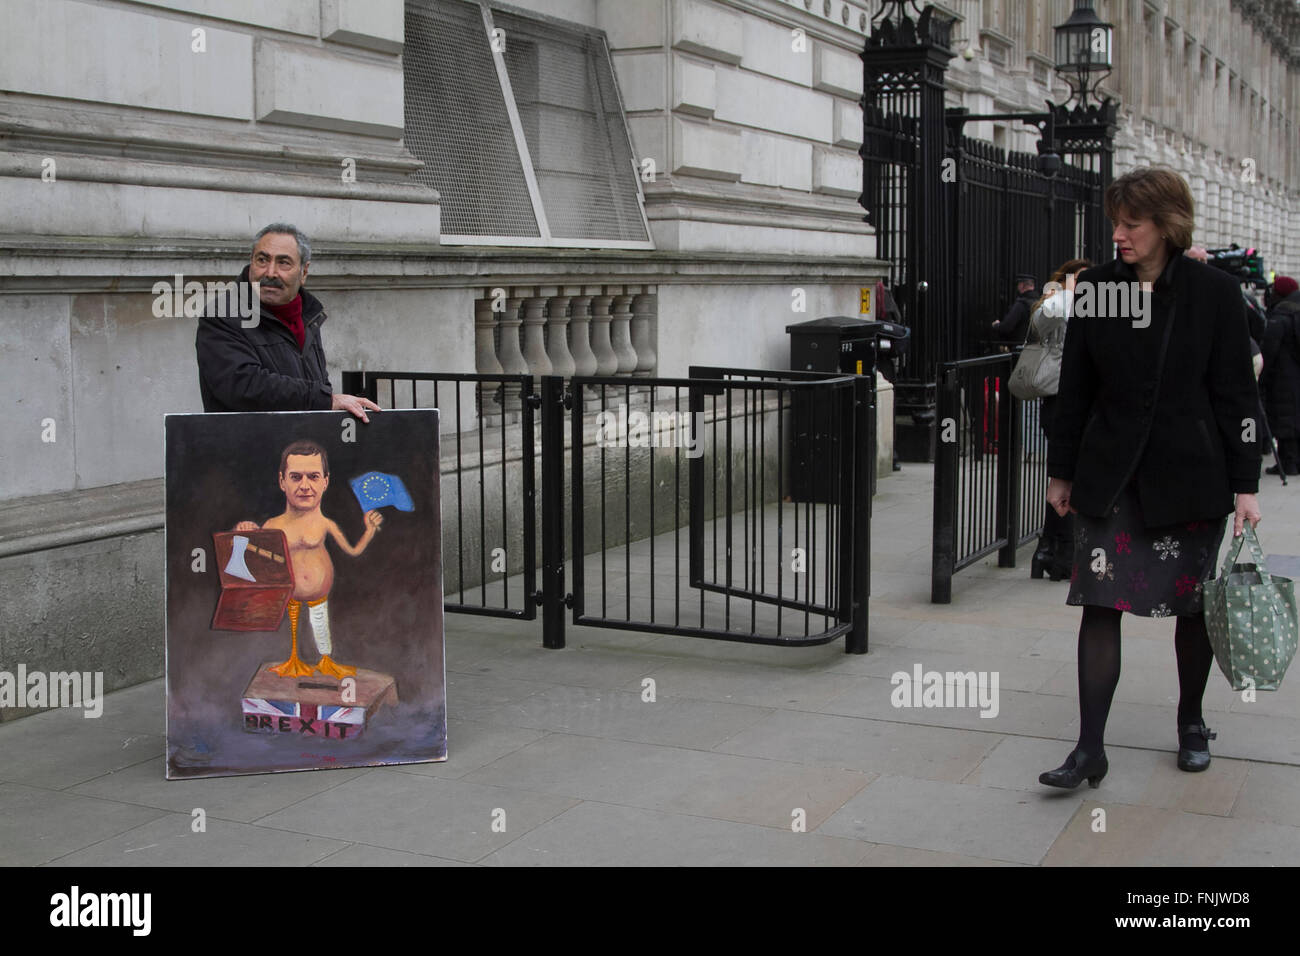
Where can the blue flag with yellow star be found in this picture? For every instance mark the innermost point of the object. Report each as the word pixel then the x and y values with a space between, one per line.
pixel 375 489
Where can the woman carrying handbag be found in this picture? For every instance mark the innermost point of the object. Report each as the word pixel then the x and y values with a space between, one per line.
pixel 1036 375
pixel 1151 449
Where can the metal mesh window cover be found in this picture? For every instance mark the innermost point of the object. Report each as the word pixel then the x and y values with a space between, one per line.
pixel 457 123
pixel 573 123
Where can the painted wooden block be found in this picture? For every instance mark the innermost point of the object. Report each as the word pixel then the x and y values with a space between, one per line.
pixel 314 707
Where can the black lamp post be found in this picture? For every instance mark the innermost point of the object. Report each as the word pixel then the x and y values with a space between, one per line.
pixel 1083 45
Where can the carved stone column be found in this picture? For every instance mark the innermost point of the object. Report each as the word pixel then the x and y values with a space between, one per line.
pixel 487 397
pixel 510 355
pixel 485 351
pixel 531 339
pixel 645 310
pixel 620 334
pixel 557 335
pixel 1212 209
pixel 606 358
pixel 584 359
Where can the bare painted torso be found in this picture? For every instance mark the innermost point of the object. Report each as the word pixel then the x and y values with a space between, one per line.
pixel 313 571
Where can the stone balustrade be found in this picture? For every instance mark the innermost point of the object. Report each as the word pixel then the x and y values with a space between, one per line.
pixel 569 330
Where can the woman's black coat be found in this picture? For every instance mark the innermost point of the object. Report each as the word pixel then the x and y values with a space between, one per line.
pixel 1188 435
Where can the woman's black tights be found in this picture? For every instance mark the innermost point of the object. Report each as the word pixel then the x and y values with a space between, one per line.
pixel 1098 673
pixel 1099 670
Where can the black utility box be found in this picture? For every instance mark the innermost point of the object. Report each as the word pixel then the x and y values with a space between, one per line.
pixel 834 344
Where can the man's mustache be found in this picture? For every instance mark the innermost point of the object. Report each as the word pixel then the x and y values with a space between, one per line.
pixel 272 283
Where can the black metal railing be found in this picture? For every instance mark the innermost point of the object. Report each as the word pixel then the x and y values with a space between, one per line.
pixel 754 523
pixel 489 509
pixel 733 504
pixel 990 473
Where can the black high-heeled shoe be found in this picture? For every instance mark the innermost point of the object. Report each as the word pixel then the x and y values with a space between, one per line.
pixel 1194 754
pixel 1077 768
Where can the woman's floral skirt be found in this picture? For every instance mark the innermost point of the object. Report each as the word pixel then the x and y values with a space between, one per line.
pixel 1154 572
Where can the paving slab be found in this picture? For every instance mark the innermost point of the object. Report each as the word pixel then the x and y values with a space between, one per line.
pixel 582 667
pixel 359 854
pixel 953 818
pixel 53 750
pixel 486 697
pixel 172 841
pixel 722 786
pixel 1269 794
pixel 751 684
pixel 37 826
pixel 598 834
pixel 630 715
pixel 240 799
pixel 1153 836
pixel 869 746
pixel 404 811
pixel 472 744
pixel 886 855
pixel 1015 672
pixel 1012 712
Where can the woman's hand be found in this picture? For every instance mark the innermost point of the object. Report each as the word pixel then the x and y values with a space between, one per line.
pixel 1247 510
pixel 1058 496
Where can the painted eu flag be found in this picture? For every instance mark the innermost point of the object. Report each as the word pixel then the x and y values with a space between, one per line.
pixel 375 489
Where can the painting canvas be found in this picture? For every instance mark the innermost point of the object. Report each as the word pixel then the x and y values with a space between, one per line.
pixel 304 592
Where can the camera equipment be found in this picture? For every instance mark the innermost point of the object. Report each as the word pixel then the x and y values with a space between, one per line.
pixel 1247 265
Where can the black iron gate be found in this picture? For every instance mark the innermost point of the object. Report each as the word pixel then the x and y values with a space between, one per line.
pixel 990 470
pixel 732 504
pixel 489 520
pixel 957 218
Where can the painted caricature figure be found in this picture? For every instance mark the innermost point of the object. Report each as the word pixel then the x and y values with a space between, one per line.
pixel 304 476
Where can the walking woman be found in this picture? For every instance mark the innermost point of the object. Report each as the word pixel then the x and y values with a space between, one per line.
pixel 1152 441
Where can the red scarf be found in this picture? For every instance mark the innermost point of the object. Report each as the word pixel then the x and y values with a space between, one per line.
pixel 291 315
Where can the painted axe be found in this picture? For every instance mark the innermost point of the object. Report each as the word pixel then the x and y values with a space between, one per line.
pixel 236 566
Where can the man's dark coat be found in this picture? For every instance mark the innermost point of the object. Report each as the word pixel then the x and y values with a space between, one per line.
pixel 1015 324
pixel 261 368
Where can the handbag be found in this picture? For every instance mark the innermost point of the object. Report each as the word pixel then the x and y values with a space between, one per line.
pixel 1250 616
pixel 1037 373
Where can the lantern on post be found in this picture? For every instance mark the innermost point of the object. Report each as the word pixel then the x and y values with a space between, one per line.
pixel 1083 45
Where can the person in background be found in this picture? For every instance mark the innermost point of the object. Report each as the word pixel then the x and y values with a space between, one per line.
pixel 1280 382
pixel 1011 328
pixel 1047 323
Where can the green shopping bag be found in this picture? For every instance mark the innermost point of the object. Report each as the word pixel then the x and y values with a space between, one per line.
pixel 1251 618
